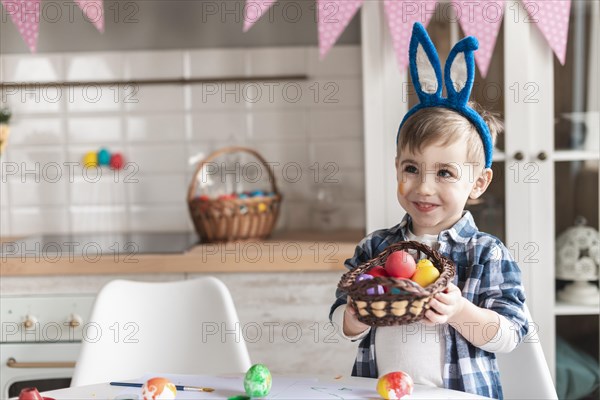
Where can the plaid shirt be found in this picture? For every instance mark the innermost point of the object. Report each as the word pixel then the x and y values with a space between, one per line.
pixel 487 276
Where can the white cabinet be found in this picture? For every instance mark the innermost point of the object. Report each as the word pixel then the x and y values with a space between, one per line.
pixel 546 166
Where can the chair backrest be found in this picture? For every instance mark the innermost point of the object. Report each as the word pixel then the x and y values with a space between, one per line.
pixel 185 327
pixel 524 372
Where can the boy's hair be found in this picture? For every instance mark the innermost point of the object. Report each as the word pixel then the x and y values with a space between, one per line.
pixel 444 126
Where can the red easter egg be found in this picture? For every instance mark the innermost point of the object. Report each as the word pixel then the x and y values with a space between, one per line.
pixel 395 385
pixel 400 264
pixel 378 271
pixel 116 161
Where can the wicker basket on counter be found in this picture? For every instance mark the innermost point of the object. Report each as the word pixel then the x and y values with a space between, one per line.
pixel 232 219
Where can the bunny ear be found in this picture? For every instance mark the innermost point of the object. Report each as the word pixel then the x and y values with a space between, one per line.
pixel 425 68
pixel 459 72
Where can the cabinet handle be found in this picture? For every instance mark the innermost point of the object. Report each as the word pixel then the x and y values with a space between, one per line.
pixel 542 156
pixel 12 363
pixel 519 156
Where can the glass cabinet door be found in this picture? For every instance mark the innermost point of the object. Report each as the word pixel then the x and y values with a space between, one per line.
pixel 576 162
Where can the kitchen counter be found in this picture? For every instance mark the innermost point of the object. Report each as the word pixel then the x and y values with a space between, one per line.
pixel 300 251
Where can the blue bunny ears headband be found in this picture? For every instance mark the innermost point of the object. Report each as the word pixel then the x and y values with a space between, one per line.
pixel 459 74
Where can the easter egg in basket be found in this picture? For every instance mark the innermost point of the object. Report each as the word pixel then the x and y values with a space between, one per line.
pixel 400 264
pixel 378 271
pixel 426 273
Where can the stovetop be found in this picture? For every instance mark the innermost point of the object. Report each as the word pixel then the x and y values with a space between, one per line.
pixel 103 243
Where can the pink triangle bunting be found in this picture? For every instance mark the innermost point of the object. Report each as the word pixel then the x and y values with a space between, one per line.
pixel 25 14
pixel 552 18
pixel 333 16
pixel 93 11
pixel 254 10
pixel 481 19
pixel 401 15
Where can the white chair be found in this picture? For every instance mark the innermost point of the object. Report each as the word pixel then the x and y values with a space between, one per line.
pixel 524 372
pixel 185 327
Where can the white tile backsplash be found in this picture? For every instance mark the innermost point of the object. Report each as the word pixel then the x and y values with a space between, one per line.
pixel 32 220
pixel 215 63
pixel 94 67
pixel 155 128
pixel 4 222
pixel 94 129
pixel 225 125
pixel 157 189
pixel 311 131
pixel 154 65
pixel 46 189
pixel 32 68
pixel 158 158
pixel 36 131
pixel 162 98
pixel 94 218
pixel 102 190
pixel 163 218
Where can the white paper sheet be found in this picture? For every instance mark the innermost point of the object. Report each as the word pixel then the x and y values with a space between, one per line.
pixel 225 386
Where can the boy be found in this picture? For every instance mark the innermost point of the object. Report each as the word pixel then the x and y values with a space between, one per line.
pixel 444 150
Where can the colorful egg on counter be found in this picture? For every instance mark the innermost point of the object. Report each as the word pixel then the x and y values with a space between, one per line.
pixel 158 389
pixel 117 161
pixel 103 157
pixel 400 264
pixel 395 385
pixel 257 193
pixel 257 382
pixel 90 159
pixel 243 195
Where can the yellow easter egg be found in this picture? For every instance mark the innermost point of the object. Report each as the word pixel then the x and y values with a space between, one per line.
pixel 90 159
pixel 425 275
pixel 262 207
pixel 424 263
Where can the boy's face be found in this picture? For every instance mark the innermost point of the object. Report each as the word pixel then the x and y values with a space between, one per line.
pixel 434 185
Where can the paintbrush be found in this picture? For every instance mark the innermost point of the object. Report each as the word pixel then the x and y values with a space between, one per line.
pixel 178 387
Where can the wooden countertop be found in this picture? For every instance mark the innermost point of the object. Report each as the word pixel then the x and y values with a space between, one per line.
pixel 284 252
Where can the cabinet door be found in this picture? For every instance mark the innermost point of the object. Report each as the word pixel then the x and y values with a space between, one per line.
pixel 576 179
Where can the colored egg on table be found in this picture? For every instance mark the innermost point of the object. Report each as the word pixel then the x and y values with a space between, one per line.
pixel 117 161
pixel 90 159
pixel 395 385
pixel 258 380
pixel 257 193
pixel 158 389
pixel 243 196
pixel 262 207
pixel 103 157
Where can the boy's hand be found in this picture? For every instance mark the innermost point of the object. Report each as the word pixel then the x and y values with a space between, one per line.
pixel 352 326
pixel 444 306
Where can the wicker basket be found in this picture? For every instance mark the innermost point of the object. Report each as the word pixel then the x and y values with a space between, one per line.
pixel 404 301
pixel 233 219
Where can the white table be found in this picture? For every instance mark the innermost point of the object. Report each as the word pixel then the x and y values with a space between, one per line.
pixel 284 387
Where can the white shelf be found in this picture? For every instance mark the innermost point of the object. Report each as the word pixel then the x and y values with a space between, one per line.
pixel 575 155
pixel 574 309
